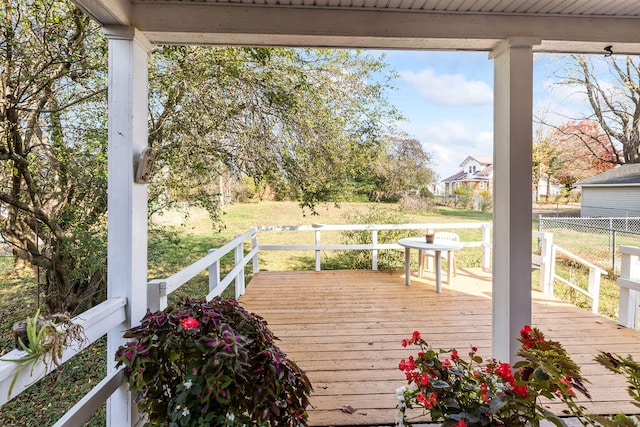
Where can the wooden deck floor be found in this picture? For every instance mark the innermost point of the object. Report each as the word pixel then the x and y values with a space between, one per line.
pixel 345 327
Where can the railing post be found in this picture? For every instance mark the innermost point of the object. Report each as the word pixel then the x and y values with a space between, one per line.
pixel 317 233
pixel 628 305
pixel 594 288
pixel 254 244
pixel 486 246
pixel 545 268
pixel 214 273
pixel 157 295
pixel 238 253
pixel 374 253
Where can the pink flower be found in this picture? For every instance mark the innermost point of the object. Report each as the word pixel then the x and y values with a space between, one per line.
pixel 189 323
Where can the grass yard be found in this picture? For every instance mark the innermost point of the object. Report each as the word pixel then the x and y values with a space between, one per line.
pixel 184 239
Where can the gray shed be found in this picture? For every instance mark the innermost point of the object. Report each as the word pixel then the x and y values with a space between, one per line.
pixel 614 193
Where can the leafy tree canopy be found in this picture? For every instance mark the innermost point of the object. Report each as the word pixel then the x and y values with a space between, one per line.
pixel 303 121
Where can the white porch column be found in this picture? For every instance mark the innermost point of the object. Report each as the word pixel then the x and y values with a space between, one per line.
pixel 127 236
pixel 513 99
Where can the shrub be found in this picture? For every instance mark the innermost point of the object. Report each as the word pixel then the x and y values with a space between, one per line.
pixel 212 364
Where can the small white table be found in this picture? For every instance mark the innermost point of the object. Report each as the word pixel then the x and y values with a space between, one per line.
pixel 421 244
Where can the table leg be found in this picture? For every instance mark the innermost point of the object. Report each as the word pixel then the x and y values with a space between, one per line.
pixel 407 266
pixel 438 273
pixel 420 262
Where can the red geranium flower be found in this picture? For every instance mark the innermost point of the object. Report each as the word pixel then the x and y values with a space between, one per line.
pixel 189 323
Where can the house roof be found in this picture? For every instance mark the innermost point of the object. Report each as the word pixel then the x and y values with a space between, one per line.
pixel 622 175
pixel 486 171
pixel 483 160
pixel 455 177
pixel 557 25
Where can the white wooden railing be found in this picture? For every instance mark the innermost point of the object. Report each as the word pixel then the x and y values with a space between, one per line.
pixel 547 262
pixel 157 290
pixel 629 282
pixel 374 246
pixel 96 322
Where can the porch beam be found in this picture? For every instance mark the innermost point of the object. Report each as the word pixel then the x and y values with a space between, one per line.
pixel 512 142
pixel 127 202
pixel 214 23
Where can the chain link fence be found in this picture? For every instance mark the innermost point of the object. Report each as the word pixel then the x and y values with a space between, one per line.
pixel 594 239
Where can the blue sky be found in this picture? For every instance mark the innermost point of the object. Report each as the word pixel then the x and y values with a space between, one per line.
pixel 447 99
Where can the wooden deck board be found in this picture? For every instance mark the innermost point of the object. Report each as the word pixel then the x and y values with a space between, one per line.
pixel 345 327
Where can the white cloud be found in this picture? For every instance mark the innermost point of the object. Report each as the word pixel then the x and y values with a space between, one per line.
pixel 450 142
pixel 449 89
pixel 448 132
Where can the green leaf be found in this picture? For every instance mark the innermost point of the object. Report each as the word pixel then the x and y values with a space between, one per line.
pixel 440 384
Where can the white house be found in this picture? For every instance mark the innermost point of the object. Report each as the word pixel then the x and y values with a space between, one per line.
pixel 476 172
pixel 614 193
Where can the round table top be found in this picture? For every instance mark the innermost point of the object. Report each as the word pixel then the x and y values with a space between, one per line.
pixel 421 243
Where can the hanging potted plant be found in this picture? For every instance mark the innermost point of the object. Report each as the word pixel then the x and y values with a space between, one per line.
pixel 200 363
pixel 43 338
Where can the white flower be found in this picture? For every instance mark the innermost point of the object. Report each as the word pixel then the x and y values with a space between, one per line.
pixel 166 390
pixel 400 419
pixel 185 412
pixel 188 384
pixel 400 394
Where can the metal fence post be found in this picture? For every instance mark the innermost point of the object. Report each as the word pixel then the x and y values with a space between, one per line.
pixel 613 253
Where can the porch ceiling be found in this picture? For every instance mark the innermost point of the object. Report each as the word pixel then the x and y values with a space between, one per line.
pixel 561 26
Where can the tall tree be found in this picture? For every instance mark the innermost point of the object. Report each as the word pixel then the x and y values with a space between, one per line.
pixel 579 150
pixel 403 167
pixel 545 160
pixel 52 144
pixel 615 103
